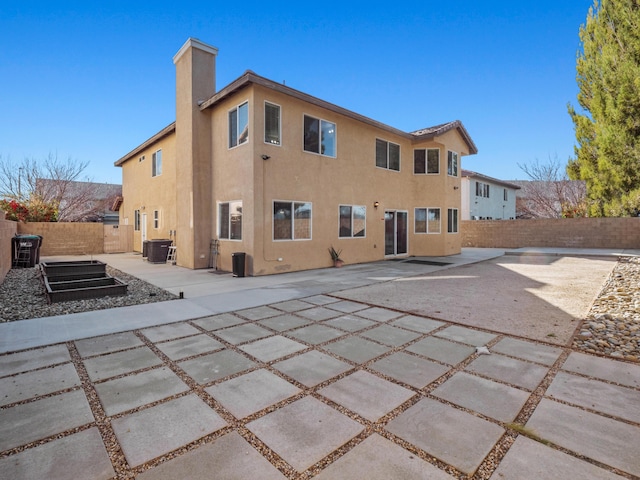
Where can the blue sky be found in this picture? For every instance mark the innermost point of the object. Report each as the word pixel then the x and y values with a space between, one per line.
pixel 92 80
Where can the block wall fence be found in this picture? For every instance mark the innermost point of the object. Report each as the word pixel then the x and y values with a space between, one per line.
pixel 559 233
pixel 7 230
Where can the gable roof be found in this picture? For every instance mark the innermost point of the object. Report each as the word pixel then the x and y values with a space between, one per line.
pixel 249 77
pixel 486 178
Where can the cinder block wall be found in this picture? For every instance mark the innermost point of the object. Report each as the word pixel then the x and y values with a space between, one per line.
pixel 67 238
pixel 561 233
pixel 7 230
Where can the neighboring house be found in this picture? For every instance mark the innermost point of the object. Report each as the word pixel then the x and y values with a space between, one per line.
pixel 550 199
pixel 80 201
pixel 260 168
pixel 487 198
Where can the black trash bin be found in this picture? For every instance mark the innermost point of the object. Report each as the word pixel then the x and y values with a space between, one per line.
pixel 25 250
pixel 237 261
pixel 157 250
pixel 145 249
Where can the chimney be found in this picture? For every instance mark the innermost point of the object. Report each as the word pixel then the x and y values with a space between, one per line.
pixel 195 82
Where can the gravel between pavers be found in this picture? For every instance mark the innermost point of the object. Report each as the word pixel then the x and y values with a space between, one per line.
pixel 23 296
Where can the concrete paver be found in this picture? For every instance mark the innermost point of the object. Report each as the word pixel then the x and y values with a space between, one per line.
pixel 114 364
pixel 282 323
pixel 510 370
pixel 312 368
pixel 409 369
pixel 305 431
pixel 293 305
pixel 252 392
pixel 272 348
pixel 417 324
pixel 229 457
pixel 606 369
pixel 531 460
pixel 169 331
pixel 466 335
pixel 136 390
pixel 347 306
pixel 492 399
pixel 32 421
pixel 30 360
pixel 215 366
pixel 350 323
pixel 376 458
pixel 259 313
pixel 316 334
pixel 441 350
pixel 217 322
pixel 36 383
pixel 606 440
pixel 455 437
pixel 388 335
pixel 189 346
pixel 356 349
pixel 90 347
pixel 319 313
pixel 321 299
pixel 613 400
pixel 149 433
pixel 534 352
pixel 242 333
pixel 367 395
pixel 378 314
pixel 80 455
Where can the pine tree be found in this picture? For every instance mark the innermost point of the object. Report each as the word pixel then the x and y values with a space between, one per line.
pixel 608 131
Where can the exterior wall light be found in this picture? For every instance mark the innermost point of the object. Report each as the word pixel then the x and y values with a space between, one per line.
pixel 376 204
pixel 265 157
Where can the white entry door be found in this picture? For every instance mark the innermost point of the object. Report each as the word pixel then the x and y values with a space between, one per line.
pixel 143 227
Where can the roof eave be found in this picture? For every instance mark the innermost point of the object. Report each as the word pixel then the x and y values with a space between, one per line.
pixel 158 136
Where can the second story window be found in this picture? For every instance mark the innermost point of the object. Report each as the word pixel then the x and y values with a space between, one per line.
pixel 319 136
pixel 387 155
pixel 506 195
pixel 426 161
pixel 482 189
pixel 271 123
pixel 452 163
pixel 239 125
pixel 156 163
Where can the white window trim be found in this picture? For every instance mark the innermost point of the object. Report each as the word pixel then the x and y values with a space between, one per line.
pixel 219 222
pixel 388 142
pixel 365 220
pixel 320 154
pixel 426 160
pixel 279 123
pixel 236 108
pixel 427 221
pixel 292 202
pixel 156 219
pixel 457 222
pixel 457 174
pixel 154 163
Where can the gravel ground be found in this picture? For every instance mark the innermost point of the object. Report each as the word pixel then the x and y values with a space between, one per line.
pixel 613 325
pixel 22 296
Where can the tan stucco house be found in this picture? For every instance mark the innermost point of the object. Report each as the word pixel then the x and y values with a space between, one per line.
pixel 267 170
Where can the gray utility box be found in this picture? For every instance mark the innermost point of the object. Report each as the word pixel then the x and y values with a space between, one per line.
pixel 157 250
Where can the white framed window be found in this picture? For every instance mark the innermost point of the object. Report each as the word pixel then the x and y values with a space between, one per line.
pixel 353 220
pixel 292 220
pixel 426 161
pixel 230 220
pixel 452 220
pixel 506 195
pixel 141 159
pixel 482 189
pixel 452 163
pixel 319 136
pixel 272 123
pixel 387 155
pixel 427 220
pixel 156 219
pixel 136 220
pixel 156 163
pixel 239 125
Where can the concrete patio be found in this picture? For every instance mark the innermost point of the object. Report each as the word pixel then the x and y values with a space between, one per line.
pixel 300 376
